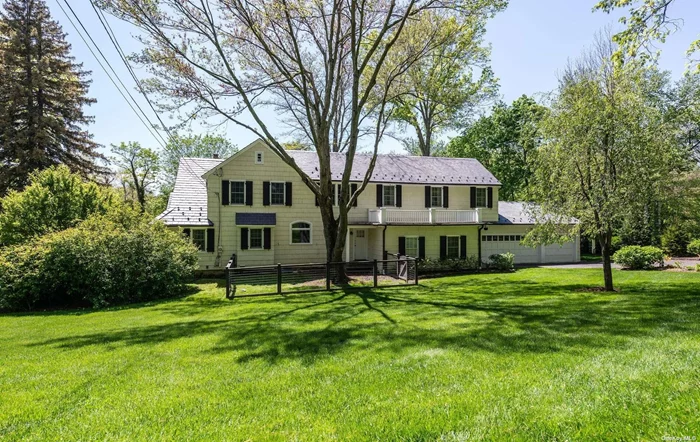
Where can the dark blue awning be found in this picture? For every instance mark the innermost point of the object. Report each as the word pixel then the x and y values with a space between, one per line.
pixel 256 219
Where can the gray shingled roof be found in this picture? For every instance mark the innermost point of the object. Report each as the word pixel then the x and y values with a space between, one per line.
pixel 517 213
pixel 187 205
pixel 402 169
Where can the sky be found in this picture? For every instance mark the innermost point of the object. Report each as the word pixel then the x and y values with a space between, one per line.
pixel 531 42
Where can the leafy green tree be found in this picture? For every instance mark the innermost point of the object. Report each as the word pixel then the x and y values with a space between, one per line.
pixel 452 78
pixel 42 96
pixel 193 146
pixel 506 142
pixel 138 168
pixel 648 21
pixel 607 147
pixel 54 200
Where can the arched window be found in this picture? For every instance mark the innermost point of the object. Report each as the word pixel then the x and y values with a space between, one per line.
pixel 300 232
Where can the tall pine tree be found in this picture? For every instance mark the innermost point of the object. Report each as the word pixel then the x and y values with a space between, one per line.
pixel 42 95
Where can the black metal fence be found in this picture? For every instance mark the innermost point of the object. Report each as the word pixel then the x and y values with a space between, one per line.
pixel 303 278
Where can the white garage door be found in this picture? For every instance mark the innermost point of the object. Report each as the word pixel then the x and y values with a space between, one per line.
pixel 493 244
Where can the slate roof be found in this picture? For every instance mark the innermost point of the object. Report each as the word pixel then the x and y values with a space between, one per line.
pixel 402 169
pixel 517 213
pixel 187 205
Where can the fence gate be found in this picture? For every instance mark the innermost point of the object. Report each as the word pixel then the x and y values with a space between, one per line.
pixel 402 269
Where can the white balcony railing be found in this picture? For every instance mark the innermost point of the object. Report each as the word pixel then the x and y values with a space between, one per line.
pixel 425 216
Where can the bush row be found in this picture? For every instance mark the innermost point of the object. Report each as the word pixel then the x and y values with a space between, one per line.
pixel 503 261
pixel 99 263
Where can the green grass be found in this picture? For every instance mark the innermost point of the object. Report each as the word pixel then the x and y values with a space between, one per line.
pixel 522 356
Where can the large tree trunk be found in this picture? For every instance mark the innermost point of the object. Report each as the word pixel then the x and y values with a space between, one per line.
pixel 605 241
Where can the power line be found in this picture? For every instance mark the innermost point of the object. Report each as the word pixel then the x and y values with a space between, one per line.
pixel 149 126
pixel 115 42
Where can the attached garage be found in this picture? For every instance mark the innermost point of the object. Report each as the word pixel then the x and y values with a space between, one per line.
pixel 506 236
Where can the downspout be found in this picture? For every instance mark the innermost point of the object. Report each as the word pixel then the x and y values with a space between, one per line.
pixel 384 242
pixel 481 227
pixel 219 249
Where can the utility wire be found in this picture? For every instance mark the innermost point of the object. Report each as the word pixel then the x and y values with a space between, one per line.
pixel 159 138
pixel 115 42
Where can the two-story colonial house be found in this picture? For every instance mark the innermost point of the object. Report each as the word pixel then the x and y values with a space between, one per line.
pixel 255 206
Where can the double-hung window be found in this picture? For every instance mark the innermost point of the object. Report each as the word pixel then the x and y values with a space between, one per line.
pixel 277 194
pixel 480 197
pixel 453 246
pixel 199 238
pixel 256 239
pixel 412 246
pixel 301 232
pixel 436 197
pixel 238 192
pixel 389 195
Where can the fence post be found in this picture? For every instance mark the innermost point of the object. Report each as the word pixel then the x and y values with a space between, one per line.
pixel 374 273
pixel 228 283
pixel 328 275
pixel 415 269
pixel 279 278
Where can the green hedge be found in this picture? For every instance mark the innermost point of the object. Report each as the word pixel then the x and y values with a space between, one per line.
pixel 502 261
pixel 694 247
pixel 638 257
pixel 429 265
pixel 97 264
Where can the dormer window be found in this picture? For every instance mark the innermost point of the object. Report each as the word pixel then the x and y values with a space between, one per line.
pixel 258 158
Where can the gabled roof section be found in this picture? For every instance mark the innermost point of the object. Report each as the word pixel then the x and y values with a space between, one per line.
pixel 187 205
pixel 399 169
pixel 402 169
pixel 519 213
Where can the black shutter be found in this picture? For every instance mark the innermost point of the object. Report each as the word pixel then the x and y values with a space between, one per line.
pixel 225 193
pixel 402 245
pixel 398 195
pixel 210 240
pixel 445 197
pixel 427 197
pixel 186 232
pixel 472 197
pixel 266 193
pixel 267 238
pixel 249 193
pixel 380 195
pixel 244 238
pixel 489 197
pixel 443 247
pixel 421 247
pixel 288 194
pixel 353 189
pixel 463 247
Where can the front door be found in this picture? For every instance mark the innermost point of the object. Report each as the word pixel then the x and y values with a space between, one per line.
pixel 360 244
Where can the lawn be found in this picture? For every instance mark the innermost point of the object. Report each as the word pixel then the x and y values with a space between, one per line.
pixel 522 356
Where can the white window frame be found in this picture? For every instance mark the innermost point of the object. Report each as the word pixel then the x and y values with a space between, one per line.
pixel 432 196
pixel 417 246
pixel 384 188
pixel 259 157
pixel 292 229
pixel 250 238
pixel 204 244
pixel 284 193
pixel 485 196
pixel 231 193
pixel 447 247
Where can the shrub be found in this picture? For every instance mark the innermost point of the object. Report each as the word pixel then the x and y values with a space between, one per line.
pixel 97 264
pixel 502 261
pixel 638 257
pixel 675 240
pixel 447 265
pixel 694 247
pixel 55 199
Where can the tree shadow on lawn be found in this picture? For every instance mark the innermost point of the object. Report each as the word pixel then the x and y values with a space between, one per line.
pixel 532 317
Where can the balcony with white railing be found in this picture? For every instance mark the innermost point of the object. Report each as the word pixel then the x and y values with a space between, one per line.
pixel 423 216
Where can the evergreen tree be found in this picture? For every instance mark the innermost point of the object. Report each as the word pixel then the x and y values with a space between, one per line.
pixel 42 95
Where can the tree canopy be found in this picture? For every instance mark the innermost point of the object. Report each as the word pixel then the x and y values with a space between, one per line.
pixel 505 142
pixel 42 96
